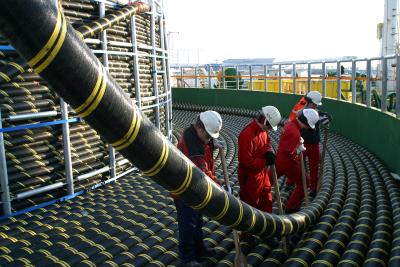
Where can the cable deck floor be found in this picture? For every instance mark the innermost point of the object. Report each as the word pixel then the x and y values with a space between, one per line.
pixel 132 222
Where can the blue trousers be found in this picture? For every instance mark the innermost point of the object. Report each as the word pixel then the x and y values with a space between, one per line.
pixel 190 222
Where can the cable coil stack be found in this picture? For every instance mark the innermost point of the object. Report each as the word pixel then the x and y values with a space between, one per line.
pixel 128 41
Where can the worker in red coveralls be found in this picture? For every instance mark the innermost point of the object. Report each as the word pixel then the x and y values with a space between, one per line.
pixel 197 142
pixel 254 155
pixel 311 137
pixel 287 157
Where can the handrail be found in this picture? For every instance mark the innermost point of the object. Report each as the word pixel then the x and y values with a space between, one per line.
pixel 356 86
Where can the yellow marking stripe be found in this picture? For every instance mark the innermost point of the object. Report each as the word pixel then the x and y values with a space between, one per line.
pixel 53 37
pixel 5 77
pixel 239 219
pixel 207 198
pixel 253 220
pixel 94 90
pixel 55 50
pixel 95 97
pixel 99 25
pixel 225 209
pixel 186 182
pixel 90 31
pixel 129 133
pixel 161 161
pixel 17 66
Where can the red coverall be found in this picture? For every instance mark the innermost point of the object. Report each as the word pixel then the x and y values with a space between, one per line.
pixel 199 153
pixel 255 185
pixel 288 162
pixel 311 144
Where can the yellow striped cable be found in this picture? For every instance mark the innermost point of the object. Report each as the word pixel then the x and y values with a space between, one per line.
pixel 53 37
pixel 161 161
pixel 188 179
pixel 207 198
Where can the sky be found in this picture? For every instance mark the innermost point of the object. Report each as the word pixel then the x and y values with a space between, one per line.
pixel 206 31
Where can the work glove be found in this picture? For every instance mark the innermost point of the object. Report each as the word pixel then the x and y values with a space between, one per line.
pixel 301 140
pixel 300 149
pixel 217 143
pixel 270 158
pixel 324 118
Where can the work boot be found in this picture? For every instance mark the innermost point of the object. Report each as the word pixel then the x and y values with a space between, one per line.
pixel 192 264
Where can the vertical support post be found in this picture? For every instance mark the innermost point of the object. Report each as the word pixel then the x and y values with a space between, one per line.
pixel 154 61
pixel 195 79
pixel 182 83
pixel 368 89
pixel 167 88
pixel 5 190
pixel 103 39
pixel 223 76
pixel 323 79
pixel 308 77
pixel 384 85
pixel 294 78
pixel 265 78
pixel 238 80
pixel 397 111
pixel 251 77
pixel 136 75
pixel 280 78
pixel 338 85
pixel 67 148
pixel 353 82
pixel 209 76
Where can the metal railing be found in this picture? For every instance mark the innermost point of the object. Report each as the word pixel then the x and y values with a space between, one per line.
pixel 373 82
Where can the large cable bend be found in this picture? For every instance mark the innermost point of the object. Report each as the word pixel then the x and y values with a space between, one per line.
pixel 40 32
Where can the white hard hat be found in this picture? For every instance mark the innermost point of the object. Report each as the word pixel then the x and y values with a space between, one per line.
pixel 272 115
pixel 315 97
pixel 311 116
pixel 212 122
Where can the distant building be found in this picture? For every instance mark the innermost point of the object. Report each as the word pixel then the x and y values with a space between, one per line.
pixel 248 61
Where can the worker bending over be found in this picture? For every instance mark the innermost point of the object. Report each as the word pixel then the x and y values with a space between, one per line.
pixel 287 157
pixel 197 143
pixel 254 155
pixel 311 136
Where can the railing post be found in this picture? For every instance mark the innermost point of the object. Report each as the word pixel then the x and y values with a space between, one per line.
pixel 309 77
pixel 209 76
pixel 384 85
pixel 223 76
pixel 338 85
pixel 368 89
pixel 294 78
pixel 238 81
pixel 5 190
pixel 280 78
pixel 353 82
pixel 195 80
pixel 265 78
pixel 323 79
pixel 251 77
pixel 397 111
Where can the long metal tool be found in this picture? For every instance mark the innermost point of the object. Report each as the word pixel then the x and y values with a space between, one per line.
pixel 240 258
pixel 280 206
pixel 303 178
pixel 321 162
